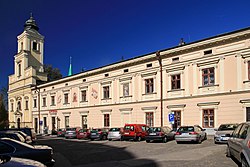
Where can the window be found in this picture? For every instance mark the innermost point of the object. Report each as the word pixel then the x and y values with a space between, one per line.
pixel 208 76
pixel 66 121
pixel 175 59
pixel 19 70
pixel 106 92
pixel 126 89
pixel 176 81
pixel 11 106
pixel 26 105
pixel 106 120
pixel 150 119
pixel 149 65
pixel 125 70
pixel 21 46
pixel 66 98
pixel 248 70
pixel 106 75
pixel 44 101
pixel 243 131
pixel 84 121
pixel 45 121
pixel 84 95
pixel 208 118
pixel 177 120
pixel 35 46
pixel 52 100
pixel 149 85
pixel 207 52
pixel 35 105
pixel 19 106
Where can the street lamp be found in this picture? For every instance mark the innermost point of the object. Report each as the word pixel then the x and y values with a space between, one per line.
pixel 37 90
pixel 159 58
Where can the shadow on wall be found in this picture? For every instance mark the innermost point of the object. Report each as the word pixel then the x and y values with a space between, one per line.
pixel 85 154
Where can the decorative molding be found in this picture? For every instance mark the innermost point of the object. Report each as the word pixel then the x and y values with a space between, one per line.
pixel 83 112
pixel 106 83
pixel 108 111
pixel 208 104
pixel 66 113
pixel 245 101
pixel 175 69
pixel 148 74
pixel 125 79
pixel 176 106
pixel 207 63
pixel 149 108
pixel 125 109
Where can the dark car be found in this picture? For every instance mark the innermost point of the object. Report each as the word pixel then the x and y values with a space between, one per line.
pixel 83 134
pixel 190 134
pixel 24 135
pixel 61 132
pixel 163 134
pixel 12 135
pixel 238 145
pixel 223 133
pixel 29 131
pixel 7 161
pixel 14 148
pixel 99 134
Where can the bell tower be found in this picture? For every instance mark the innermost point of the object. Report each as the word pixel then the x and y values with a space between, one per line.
pixel 28 71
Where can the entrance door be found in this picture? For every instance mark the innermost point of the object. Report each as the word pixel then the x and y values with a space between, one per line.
pixel 248 114
pixel 53 125
pixel 84 121
pixel 177 120
pixel 35 124
pixel 18 123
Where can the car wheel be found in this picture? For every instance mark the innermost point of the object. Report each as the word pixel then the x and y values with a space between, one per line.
pixel 205 138
pixel 199 140
pixel 91 139
pixel 178 142
pixel 244 162
pixel 228 153
pixel 104 137
pixel 165 139
pixel 148 141
pixel 110 139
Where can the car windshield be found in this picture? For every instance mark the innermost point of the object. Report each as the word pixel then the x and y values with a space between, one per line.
pixel 154 129
pixel 94 130
pixel 129 128
pixel 82 130
pixel 71 129
pixel 227 127
pixel 114 129
pixel 186 129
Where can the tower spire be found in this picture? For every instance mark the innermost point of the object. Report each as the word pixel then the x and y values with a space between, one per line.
pixel 70 68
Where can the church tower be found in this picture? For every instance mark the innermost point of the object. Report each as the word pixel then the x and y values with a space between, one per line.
pixel 28 72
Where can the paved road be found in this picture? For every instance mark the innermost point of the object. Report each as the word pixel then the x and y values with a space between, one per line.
pixel 81 153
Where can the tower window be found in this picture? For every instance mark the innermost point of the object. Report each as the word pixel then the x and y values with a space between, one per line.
pixel 125 70
pixel 21 46
pixel 19 69
pixel 35 46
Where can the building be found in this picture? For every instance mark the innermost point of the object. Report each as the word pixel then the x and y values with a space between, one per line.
pixel 205 82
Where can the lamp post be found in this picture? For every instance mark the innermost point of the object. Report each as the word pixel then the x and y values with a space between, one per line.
pixel 159 58
pixel 38 108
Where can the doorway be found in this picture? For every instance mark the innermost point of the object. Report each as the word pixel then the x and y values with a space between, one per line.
pixel 18 123
pixel 35 124
pixel 248 114
pixel 177 120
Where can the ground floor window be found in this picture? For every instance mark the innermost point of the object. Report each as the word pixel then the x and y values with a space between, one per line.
pixel 66 121
pixel 150 119
pixel 106 120
pixel 208 118
pixel 84 121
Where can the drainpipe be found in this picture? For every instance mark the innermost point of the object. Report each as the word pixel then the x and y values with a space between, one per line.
pixel 159 58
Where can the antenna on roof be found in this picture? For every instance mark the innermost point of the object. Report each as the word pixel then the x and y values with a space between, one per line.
pixel 182 42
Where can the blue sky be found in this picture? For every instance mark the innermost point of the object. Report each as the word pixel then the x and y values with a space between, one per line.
pixel 100 32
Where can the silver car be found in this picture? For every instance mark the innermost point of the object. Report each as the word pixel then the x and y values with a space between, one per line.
pixel 190 134
pixel 223 133
pixel 115 134
pixel 238 144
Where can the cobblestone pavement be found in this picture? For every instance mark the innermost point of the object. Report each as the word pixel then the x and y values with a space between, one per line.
pixel 77 153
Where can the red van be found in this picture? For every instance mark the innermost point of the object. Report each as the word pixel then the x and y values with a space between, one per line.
pixel 136 132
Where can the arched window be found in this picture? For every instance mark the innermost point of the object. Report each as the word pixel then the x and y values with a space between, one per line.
pixel 19 69
pixel 19 105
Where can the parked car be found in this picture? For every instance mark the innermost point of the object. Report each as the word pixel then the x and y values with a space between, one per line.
pixel 136 132
pixel 29 131
pixel 238 145
pixel 99 133
pixel 7 161
pixel 163 134
pixel 115 134
pixel 14 148
pixel 83 134
pixel 24 135
pixel 190 134
pixel 12 135
pixel 223 133
pixel 71 132
pixel 61 132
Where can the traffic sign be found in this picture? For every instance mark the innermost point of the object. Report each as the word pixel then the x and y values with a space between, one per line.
pixel 171 118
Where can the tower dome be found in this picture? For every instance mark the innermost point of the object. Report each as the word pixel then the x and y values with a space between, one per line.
pixel 31 24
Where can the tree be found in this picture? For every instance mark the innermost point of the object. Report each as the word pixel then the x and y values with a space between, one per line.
pixel 3 109
pixel 53 73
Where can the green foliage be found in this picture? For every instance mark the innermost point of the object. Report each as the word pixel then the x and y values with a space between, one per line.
pixel 53 73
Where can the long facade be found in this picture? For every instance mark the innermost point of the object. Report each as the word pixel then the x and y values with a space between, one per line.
pixel 206 82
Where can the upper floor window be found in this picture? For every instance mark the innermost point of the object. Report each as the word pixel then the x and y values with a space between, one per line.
pixel 106 92
pixel 66 121
pixel 208 118
pixel 26 105
pixel 44 101
pixel 126 89
pixel 149 85
pixel 248 70
pixel 35 46
pixel 52 100
pixel 35 105
pixel 19 106
pixel 84 95
pixel 21 46
pixel 106 120
pixel 208 52
pixel 176 81
pixel 208 76
pixel 66 98
pixel 11 107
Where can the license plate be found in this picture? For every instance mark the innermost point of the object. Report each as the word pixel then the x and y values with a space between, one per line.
pixel 185 134
pixel 224 138
pixel 70 133
pixel 152 133
pixel 126 133
pixel 93 133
